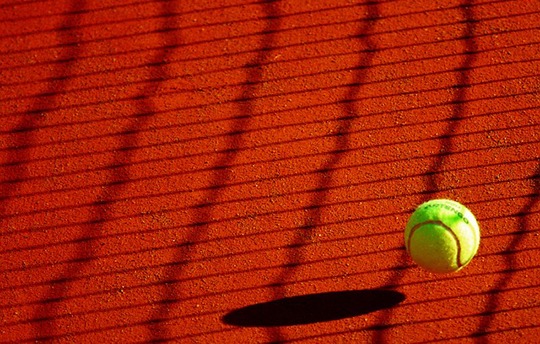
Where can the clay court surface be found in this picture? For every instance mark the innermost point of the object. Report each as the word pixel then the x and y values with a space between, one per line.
pixel 237 171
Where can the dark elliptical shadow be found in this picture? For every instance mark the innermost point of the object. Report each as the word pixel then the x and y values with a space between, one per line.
pixel 313 308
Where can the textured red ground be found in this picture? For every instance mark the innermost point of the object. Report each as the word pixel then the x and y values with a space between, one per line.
pixel 168 164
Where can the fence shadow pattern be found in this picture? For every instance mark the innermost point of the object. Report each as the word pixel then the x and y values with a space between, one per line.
pixel 258 109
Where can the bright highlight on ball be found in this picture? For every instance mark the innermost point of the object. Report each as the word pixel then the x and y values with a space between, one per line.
pixel 442 236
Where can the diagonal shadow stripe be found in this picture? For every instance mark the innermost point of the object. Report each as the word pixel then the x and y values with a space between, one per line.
pixel 202 213
pixel 25 133
pixel 119 174
pixel 304 235
pixel 67 34
pixel 446 147
pixel 462 86
pixel 492 304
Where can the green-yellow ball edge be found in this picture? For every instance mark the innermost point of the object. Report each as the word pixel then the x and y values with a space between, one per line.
pixel 442 236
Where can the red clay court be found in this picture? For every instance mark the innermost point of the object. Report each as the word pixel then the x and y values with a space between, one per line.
pixel 241 171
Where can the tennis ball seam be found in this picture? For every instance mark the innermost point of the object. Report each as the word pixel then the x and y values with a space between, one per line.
pixel 448 229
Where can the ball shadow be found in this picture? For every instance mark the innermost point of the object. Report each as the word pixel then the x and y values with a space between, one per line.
pixel 313 308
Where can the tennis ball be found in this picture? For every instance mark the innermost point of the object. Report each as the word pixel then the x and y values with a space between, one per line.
pixel 442 236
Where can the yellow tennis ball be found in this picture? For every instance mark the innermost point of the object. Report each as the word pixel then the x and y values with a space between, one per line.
pixel 442 236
